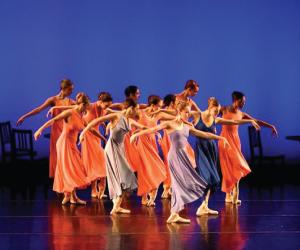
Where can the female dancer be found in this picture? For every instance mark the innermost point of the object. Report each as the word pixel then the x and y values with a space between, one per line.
pixel 206 150
pixel 91 151
pixel 187 186
pixel 119 175
pixel 61 99
pixel 70 172
pixel 151 171
pixel 191 89
pixel 233 164
pixel 170 108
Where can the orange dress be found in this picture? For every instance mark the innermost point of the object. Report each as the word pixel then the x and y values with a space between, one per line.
pixel 56 130
pixel 131 154
pixel 151 172
pixel 91 151
pixel 233 164
pixel 70 172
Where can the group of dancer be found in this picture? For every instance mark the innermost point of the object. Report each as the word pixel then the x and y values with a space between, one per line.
pixel 130 159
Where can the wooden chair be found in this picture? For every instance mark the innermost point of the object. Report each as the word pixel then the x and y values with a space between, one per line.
pixel 256 150
pixel 22 144
pixel 15 143
pixel 5 138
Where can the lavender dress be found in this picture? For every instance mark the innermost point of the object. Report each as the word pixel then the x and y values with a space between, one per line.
pixel 187 186
pixel 119 174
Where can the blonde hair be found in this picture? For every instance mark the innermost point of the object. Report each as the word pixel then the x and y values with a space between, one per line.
pixel 213 102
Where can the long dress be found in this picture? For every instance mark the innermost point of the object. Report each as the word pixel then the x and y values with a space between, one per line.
pixel 151 171
pixel 70 172
pixel 119 174
pixel 165 145
pixel 206 152
pixel 186 184
pixel 233 164
pixel 91 151
pixel 56 130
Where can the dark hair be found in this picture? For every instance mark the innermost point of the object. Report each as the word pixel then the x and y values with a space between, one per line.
pixel 129 103
pixel 82 98
pixel 236 95
pixel 130 90
pixel 66 83
pixel 191 84
pixel 153 99
pixel 105 97
pixel 168 99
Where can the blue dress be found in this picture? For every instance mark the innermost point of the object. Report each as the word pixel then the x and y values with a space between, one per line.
pixel 186 184
pixel 206 154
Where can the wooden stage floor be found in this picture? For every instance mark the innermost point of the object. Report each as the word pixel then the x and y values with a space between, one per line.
pixel 33 218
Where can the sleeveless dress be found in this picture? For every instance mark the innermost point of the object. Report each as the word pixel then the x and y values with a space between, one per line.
pixel 187 186
pixel 206 152
pixel 70 172
pixel 91 151
pixel 119 175
pixel 56 130
pixel 151 171
pixel 233 164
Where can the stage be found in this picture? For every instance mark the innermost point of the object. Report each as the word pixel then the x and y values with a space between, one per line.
pixel 32 217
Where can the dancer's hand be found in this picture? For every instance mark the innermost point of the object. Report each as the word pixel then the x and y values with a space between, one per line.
pixel 274 131
pixel 50 112
pixel 226 143
pixel 37 134
pixel 81 138
pixel 133 139
pixel 255 125
pixel 20 120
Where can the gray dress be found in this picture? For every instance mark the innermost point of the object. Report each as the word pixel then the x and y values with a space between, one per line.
pixel 119 175
pixel 187 186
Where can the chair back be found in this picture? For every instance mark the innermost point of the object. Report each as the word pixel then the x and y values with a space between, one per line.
pixel 255 142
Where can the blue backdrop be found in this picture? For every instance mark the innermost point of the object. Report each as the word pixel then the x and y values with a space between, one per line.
pixel 252 46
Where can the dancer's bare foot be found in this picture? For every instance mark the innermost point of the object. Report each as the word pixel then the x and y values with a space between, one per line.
pixel 202 209
pixel 228 198
pixel 212 212
pixel 65 200
pixel 121 210
pixel 175 218
pixel 145 200
pixel 237 202
pixel 151 203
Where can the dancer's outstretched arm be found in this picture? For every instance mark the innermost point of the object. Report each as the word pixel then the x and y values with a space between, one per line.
pixel 161 126
pixel 65 114
pixel 97 121
pixel 51 110
pixel 223 121
pixel 262 123
pixel 49 102
pixel 207 135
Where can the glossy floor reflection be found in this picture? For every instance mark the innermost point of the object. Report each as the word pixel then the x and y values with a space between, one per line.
pixel 32 218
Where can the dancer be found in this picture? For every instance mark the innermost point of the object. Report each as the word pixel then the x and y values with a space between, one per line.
pixel 233 164
pixel 165 144
pixel 61 99
pixel 91 151
pixel 120 177
pixel 151 171
pixel 187 186
pixel 70 172
pixel 191 89
pixel 206 150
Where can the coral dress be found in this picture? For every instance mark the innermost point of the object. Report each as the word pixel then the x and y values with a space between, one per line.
pixel 233 164
pixel 151 171
pixel 56 130
pixel 92 153
pixel 70 172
